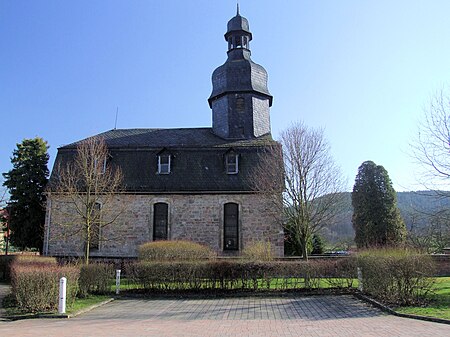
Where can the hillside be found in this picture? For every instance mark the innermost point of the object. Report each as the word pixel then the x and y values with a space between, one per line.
pixel 415 208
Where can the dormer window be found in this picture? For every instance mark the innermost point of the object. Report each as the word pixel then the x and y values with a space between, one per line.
pixel 232 163
pixel 164 164
pixel 100 165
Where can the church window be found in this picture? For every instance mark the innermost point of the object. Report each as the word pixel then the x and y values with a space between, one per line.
pixel 164 164
pixel 232 163
pixel 160 221
pixel 94 243
pixel 231 226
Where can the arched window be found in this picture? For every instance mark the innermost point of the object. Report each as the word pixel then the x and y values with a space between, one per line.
pixel 94 243
pixel 160 221
pixel 231 226
pixel 238 41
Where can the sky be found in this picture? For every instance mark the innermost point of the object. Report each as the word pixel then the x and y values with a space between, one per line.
pixel 363 70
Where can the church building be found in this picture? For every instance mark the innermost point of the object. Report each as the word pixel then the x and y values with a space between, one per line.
pixel 189 183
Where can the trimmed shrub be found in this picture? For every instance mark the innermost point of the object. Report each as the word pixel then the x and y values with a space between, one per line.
pixel 166 275
pixel 95 278
pixel 7 261
pixel 236 275
pixel 174 251
pixel 258 251
pixel 35 287
pixel 397 276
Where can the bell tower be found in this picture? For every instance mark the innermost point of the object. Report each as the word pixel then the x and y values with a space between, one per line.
pixel 240 100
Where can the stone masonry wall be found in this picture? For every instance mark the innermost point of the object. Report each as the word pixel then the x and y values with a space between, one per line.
pixel 197 218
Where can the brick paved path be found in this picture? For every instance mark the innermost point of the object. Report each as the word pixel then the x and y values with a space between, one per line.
pixel 319 316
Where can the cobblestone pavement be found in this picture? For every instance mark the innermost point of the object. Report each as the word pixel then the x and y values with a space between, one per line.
pixel 319 316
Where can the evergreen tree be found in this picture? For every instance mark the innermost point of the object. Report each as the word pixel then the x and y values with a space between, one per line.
pixel 376 218
pixel 26 183
pixel 318 246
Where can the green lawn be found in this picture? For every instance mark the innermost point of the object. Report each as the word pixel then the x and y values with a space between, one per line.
pixel 440 302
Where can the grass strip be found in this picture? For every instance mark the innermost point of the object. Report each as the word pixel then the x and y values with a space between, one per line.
pixel 439 305
pixel 79 305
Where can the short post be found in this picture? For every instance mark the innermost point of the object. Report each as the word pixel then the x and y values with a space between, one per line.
pixel 118 281
pixel 62 295
pixel 360 280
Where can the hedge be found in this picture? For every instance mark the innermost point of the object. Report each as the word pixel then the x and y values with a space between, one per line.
pixel 240 275
pixel 7 260
pixel 95 278
pixel 397 276
pixel 178 250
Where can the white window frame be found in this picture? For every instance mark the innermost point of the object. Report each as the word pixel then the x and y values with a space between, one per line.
pixel 103 170
pixel 162 166
pixel 232 167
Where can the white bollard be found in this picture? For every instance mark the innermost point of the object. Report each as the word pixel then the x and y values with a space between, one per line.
pixel 118 281
pixel 360 280
pixel 62 295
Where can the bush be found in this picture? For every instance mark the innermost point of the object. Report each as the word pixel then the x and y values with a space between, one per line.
pixel 95 278
pixel 35 287
pixel 258 251
pixel 6 262
pixel 174 251
pixel 396 276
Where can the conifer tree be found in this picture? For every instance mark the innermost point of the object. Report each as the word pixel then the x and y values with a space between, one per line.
pixel 376 218
pixel 26 182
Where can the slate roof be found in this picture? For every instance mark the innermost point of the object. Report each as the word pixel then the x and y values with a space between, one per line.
pixel 182 137
pixel 239 74
pixel 197 164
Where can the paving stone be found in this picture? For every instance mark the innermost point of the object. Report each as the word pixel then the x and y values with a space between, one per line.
pixel 319 316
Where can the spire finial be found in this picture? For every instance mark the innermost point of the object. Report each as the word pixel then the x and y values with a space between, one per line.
pixel 237 12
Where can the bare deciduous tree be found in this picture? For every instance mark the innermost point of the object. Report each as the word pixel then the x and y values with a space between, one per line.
pixel 431 151
pixel 89 185
pixel 311 196
pixel 429 230
pixel 431 148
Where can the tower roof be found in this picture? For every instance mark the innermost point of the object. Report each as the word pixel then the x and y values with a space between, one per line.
pixel 237 24
pixel 239 73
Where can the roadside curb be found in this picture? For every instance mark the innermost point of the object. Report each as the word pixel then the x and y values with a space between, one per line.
pixel 391 311
pixel 92 307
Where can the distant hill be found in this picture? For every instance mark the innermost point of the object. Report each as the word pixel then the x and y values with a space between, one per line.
pixel 414 207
